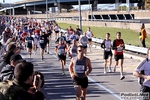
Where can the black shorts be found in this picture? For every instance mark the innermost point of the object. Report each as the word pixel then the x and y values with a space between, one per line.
pixel 85 47
pixel 29 46
pixel 83 82
pixel 90 40
pixel 117 57
pixel 107 54
pixel 42 46
pixel 68 41
pixel 56 31
pixel 47 41
pixel 62 57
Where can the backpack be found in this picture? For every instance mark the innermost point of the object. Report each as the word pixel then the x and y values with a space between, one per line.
pixel 8 90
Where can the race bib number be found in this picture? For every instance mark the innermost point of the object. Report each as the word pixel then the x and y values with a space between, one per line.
pixel 41 41
pixel 29 41
pixel 61 51
pixel 119 49
pixel 80 68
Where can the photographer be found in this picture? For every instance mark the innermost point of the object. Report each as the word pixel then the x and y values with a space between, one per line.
pixel 38 83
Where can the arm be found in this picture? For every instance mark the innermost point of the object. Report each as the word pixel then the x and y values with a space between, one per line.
pixel 114 45
pixel 71 68
pixel 123 44
pixel 139 68
pixel 56 50
pixel 89 66
pixel 102 45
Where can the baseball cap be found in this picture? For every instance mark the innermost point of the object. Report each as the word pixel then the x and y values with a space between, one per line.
pixel 16 57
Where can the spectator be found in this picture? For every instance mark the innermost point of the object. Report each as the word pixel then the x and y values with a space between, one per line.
pixel 143 35
pixel 6 35
pixel 7 72
pixel 2 52
pixel 6 58
pixel 23 74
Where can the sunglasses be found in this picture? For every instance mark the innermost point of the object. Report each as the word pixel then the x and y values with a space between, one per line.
pixel 80 50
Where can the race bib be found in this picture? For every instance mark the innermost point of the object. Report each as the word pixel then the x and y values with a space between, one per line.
pixel 80 68
pixel 61 51
pixel 119 49
pixel 29 41
pixel 41 41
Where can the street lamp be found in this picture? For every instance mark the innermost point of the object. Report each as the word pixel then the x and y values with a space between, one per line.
pixel 80 18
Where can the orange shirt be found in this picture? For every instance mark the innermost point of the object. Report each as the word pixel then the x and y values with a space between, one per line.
pixel 143 32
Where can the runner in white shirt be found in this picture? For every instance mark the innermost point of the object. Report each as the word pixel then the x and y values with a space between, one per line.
pixel 56 29
pixel 35 43
pixel 89 35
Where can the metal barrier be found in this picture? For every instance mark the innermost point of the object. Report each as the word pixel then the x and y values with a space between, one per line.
pixel 131 48
pixel 127 47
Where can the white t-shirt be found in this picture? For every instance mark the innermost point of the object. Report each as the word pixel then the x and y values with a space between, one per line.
pixel 89 34
pixel 144 65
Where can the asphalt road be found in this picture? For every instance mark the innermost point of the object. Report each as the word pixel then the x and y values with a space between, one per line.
pixel 101 86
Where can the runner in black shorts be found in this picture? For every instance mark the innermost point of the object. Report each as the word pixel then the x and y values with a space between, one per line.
pixel 42 43
pixel 106 45
pixel 79 69
pixel 29 42
pixel 61 50
pixel 118 46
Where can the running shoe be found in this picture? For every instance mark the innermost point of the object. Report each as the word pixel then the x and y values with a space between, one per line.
pixel 109 69
pixel 122 77
pixel 114 70
pixel 63 73
pixel 105 71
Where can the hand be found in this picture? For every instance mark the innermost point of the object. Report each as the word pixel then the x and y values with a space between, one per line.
pixel 72 76
pixel 148 78
pixel 87 73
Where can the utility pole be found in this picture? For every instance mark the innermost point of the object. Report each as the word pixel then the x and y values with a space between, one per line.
pixel 46 11
pixel 80 17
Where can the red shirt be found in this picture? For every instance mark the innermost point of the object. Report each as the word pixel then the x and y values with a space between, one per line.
pixel 118 51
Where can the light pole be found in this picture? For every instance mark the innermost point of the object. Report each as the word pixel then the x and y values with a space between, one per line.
pixel 10 7
pixel 46 11
pixel 128 5
pixel 34 6
pixel 80 18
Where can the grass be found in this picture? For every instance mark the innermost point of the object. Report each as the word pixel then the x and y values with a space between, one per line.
pixel 129 36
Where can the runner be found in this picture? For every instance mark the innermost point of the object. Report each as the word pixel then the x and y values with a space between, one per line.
pixel 29 42
pixel 79 68
pixel 106 45
pixel 61 50
pixel 56 29
pixel 84 40
pixel 118 46
pixel 42 44
pixel 48 35
pixel 74 36
pixel 143 72
pixel 89 35
pixel 73 49
pixel 23 36
pixel 35 43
